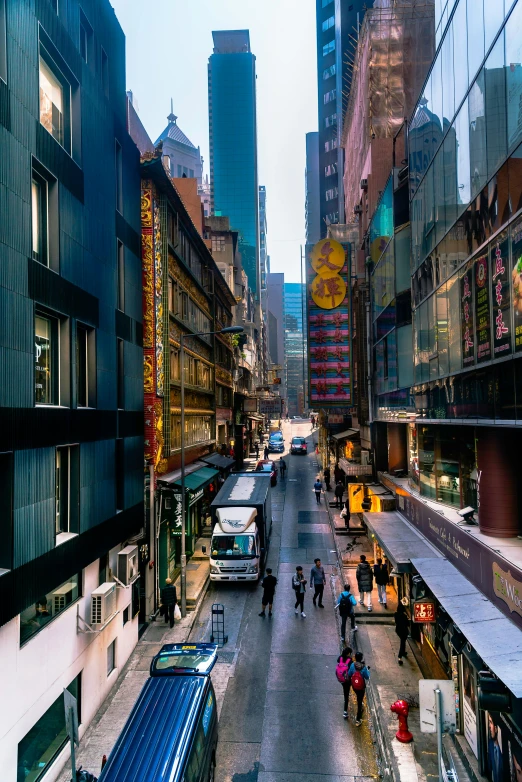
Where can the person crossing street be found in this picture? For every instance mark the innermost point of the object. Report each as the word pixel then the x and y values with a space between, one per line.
pixel 318 487
pixel 282 467
pixel 318 581
pixel 299 587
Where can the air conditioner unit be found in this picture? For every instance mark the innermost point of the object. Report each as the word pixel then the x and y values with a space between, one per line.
pixel 358 209
pixel 128 565
pixel 364 184
pixel 63 596
pixel 103 603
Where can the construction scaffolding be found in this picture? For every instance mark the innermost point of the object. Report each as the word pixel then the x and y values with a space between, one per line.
pixel 387 66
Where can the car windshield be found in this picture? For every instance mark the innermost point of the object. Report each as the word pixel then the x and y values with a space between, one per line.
pixel 265 468
pixel 171 661
pixel 276 436
pixel 242 546
pixel 298 441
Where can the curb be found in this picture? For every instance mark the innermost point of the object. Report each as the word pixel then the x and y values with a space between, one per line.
pixel 386 759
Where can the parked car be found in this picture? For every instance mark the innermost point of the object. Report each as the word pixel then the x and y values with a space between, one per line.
pixel 267 465
pixel 298 445
pixel 276 443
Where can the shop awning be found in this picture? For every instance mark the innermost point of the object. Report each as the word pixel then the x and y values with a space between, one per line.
pixel 346 435
pixel 399 540
pixel 219 461
pixel 199 479
pixel 495 639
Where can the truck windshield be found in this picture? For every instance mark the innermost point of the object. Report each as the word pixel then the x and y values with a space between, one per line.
pixel 242 546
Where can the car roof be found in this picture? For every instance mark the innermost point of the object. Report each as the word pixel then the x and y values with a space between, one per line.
pixel 157 735
pixel 299 439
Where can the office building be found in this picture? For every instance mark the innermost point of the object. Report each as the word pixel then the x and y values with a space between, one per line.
pixel 295 363
pixel 312 190
pixel 276 330
pixel 71 450
pixel 337 21
pixel 233 143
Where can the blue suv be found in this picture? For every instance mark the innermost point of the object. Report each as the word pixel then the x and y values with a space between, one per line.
pixel 276 444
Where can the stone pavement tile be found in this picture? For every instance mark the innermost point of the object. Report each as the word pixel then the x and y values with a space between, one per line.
pixel 318 671
pixel 274 776
pixel 237 762
pixel 325 555
pixel 295 555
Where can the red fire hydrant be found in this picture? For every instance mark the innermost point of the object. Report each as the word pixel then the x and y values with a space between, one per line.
pixel 401 708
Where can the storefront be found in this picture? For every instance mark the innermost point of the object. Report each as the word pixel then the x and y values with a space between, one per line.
pixel 201 486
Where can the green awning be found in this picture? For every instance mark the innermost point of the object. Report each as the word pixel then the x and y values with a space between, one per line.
pixel 198 479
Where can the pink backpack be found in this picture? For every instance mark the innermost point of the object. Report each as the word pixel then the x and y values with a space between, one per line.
pixel 341 670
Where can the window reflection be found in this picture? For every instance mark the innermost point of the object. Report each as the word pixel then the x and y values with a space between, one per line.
pixel 513 34
pixel 477 135
pixel 496 109
pixel 475 17
pixel 461 126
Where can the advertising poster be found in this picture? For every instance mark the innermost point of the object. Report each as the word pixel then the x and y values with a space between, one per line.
pixel 329 333
pixel 516 281
pixel 482 309
pixel 466 315
pixel 469 705
pixel 495 753
pixel 499 254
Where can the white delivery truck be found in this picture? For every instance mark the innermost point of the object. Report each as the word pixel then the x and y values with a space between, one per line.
pixel 242 512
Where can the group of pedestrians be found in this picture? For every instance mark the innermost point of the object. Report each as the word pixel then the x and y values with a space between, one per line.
pixel 352 673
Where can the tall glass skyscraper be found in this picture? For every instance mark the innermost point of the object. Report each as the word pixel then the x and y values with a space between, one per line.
pixel 233 142
pixel 295 347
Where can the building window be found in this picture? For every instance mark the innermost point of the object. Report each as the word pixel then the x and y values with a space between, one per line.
pixel 191 173
pixel 330 145
pixel 104 64
pixel 330 121
pixel 326 2
pixel 330 22
pixel 198 429
pixel 120 260
pixel 86 38
pixel 47 607
pixel 126 612
pixel 120 382
pixel 67 489
pixel 120 474
pixel 119 176
pixel 328 72
pixel 46 360
pixel 6 510
pixel 331 194
pixel 40 219
pixel 174 364
pixel 103 569
pixel 55 101
pixel 85 366
pixel 328 97
pixel 330 170
pixel 328 48
pixel 3 41
pixel 111 657
pixel 218 244
pixel 38 749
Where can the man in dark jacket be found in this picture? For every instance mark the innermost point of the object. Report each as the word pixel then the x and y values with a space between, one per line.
pixel 169 599
pixel 380 573
pixel 339 491
pixel 327 477
pixel 364 578
pixel 318 581
pixel 338 473
pixel 402 628
pixel 269 584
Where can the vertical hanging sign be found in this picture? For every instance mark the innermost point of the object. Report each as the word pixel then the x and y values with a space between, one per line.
pixel 499 253
pixel 482 309
pixel 466 315
pixel 329 341
pixel 516 278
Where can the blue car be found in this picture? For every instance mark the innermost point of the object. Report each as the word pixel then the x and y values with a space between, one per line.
pixel 276 444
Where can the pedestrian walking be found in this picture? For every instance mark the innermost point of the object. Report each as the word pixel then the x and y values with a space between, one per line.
pixel 299 587
pixel 345 514
pixel 339 491
pixel 313 422
pixel 346 604
pixel 169 599
pixel 402 629
pixel 269 584
pixel 282 467
pixel 256 447
pixel 364 578
pixel 266 452
pixel 343 666
pixel 318 581
pixel 327 478
pixel 318 486
pixel 338 473
pixel 359 675
pixel 380 572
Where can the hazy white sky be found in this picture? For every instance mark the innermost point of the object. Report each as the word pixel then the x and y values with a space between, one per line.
pixel 168 45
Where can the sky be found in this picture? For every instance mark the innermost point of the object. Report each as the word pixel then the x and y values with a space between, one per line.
pixel 168 45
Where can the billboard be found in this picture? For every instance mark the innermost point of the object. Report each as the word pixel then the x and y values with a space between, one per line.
pixel 329 332
pixel 271 406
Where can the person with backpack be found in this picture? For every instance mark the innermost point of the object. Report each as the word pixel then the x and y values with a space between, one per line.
pixel 346 604
pixel 269 584
pixel 341 671
pixel 402 629
pixel 299 587
pixel 359 675
pixel 318 581
pixel 364 576
pixel 380 572
pixel 318 486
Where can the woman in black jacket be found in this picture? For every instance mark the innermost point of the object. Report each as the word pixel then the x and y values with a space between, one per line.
pixel 402 628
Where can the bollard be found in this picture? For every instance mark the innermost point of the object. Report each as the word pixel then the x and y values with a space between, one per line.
pixel 401 708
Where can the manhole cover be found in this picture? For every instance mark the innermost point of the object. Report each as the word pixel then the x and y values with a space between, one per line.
pixel 226 657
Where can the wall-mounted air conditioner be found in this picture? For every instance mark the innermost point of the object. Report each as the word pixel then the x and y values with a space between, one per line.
pixel 128 565
pixel 364 184
pixel 63 596
pixel 103 604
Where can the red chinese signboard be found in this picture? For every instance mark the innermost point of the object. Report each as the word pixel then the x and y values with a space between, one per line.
pixel 424 611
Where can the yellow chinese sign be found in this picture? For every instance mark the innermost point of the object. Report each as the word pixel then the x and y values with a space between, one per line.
pixel 327 258
pixel 328 288
pixel 328 292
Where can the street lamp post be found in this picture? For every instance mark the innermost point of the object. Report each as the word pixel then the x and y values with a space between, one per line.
pixel 228 330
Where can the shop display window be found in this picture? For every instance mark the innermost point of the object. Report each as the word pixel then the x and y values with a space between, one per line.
pixel 413 457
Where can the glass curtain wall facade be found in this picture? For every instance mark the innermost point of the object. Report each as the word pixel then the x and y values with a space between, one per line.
pixel 233 143
pixel 295 347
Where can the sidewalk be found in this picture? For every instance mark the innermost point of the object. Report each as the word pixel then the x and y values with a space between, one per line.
pixel 376 638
